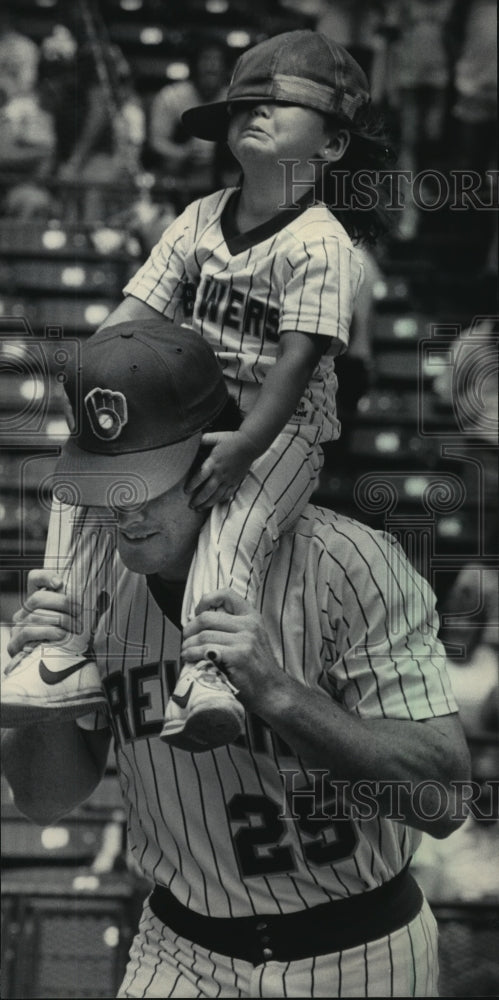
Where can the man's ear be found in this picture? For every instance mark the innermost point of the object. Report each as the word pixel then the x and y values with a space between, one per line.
pixel 337 145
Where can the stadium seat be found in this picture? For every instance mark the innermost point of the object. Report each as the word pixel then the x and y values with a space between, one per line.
pixel 399 329
pixel 71 275
pixel 391 292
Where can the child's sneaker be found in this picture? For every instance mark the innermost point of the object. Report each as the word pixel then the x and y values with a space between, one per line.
pixel 203 712
pixel 49 683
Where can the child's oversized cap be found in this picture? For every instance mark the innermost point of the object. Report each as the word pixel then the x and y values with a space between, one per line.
pixel 298 67
pixel 141 398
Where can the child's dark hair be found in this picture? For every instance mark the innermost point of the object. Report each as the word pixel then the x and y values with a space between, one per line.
pixel 351 188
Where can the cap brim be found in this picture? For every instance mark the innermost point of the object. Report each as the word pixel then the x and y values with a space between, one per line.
pixel 82 478
pixel 211 121
pixel 208 121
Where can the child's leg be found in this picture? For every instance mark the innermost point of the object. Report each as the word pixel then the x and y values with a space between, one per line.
pixel 234 550
pixel 61 680
pixel 80 548
pixel 238 540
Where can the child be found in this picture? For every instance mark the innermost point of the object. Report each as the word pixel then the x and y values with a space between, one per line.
pixel 269 277
pixel 273 293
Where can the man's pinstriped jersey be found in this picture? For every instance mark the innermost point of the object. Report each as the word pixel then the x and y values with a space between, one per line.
pixel 297 272
pixel 228 831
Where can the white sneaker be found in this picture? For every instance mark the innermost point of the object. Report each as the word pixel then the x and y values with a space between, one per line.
pixel 203 712
pixel 48 683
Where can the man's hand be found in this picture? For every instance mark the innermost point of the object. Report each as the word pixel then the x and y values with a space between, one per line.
pixel 229 631
pixel 226 466
pixel 47 615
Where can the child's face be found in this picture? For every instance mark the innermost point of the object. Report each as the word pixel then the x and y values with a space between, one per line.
pixel 265 133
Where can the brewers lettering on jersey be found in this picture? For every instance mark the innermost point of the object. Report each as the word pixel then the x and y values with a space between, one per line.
pixel 297 272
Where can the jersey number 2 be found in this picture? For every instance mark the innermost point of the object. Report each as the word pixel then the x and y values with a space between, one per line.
pixel 259 843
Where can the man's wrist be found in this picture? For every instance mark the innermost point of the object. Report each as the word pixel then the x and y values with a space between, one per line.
pixel 276 697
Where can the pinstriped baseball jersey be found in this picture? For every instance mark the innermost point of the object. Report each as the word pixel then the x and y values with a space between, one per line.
pixel 299 271
pixel 246 829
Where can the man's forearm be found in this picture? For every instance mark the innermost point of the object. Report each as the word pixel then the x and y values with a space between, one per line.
pixel 52 768
pixel 405 754
pixel 348 748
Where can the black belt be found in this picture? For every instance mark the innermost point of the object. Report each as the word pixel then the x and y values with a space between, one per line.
pixel 323 929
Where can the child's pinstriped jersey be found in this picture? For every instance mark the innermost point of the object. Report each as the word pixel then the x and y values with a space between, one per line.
pixel 296 272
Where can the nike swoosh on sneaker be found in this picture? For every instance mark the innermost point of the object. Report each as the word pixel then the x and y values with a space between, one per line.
pixel 182 699
pixel 55 676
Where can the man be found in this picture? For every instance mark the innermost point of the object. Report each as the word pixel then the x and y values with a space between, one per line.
pixel 27 133
pixel 279 861
pixel 175 151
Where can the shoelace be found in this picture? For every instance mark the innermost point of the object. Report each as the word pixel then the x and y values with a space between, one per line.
pixel 210 666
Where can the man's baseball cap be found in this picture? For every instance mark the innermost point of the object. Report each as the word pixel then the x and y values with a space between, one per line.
pixel 141 397
pixel 297 67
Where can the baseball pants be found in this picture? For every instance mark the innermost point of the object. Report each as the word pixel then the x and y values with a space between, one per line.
pixel 402 964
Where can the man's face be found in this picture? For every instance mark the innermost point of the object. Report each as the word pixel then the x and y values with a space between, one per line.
pixel 161 536
pixel 210 73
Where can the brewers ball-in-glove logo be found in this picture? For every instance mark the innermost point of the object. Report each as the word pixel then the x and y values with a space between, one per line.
pixel 107 412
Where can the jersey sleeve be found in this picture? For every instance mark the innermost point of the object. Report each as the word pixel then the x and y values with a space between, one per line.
pixel 388 661
pixel 321 280
pixel 161 281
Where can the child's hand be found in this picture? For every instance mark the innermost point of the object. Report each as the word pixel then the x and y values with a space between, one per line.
pixel 47 615
pixel 220 474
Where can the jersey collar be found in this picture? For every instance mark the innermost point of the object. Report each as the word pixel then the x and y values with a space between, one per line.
pixel 239 242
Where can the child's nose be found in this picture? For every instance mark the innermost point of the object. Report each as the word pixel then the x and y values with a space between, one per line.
pixel 129 515
pixel 261 109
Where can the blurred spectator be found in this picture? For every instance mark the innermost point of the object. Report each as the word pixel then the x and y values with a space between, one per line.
pixel 18 60
pixel 354 368
pixel 464 868
pixel 144 220
pixel 418 77
pixel 475 83
pixel 471 637
pixel 63 90
pixel 109 147
pixel 473 140
pixel 27 136
pixel 471 385
pixel 468 388
pixel 352 23
pixel 174 152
